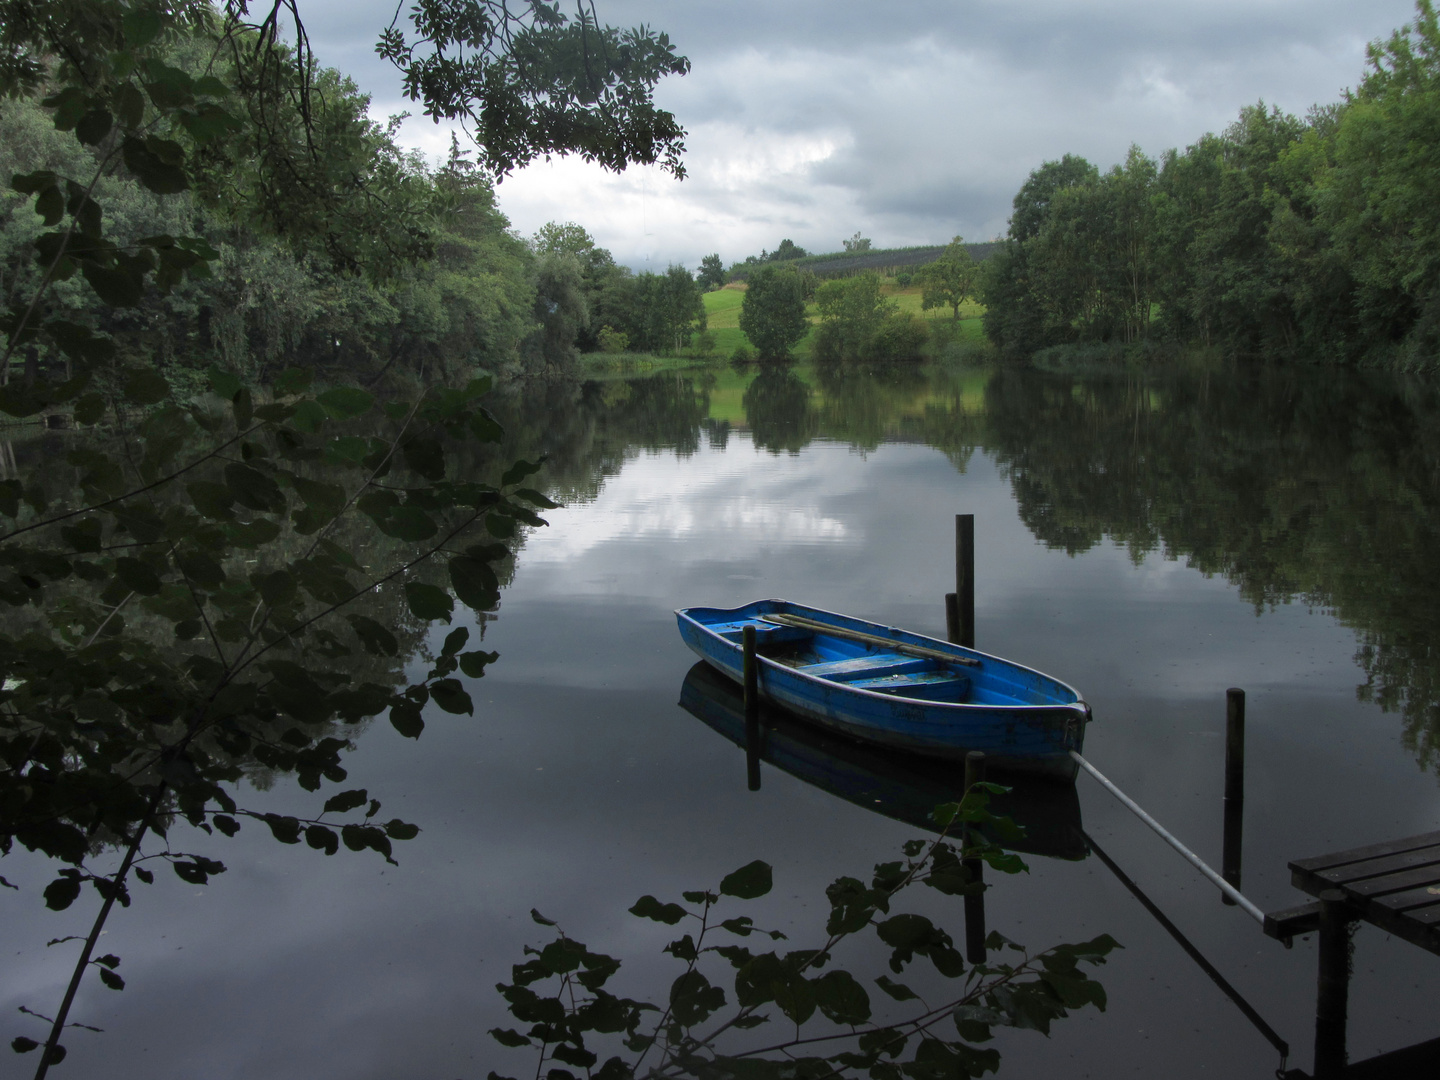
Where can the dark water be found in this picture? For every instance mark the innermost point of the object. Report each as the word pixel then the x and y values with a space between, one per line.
pixel 1150 542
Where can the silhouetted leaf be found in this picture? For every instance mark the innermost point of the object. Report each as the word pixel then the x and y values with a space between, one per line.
pixel 647 907
pixel 519 471
pixel 451 696
pixel 61 893
pixel 750 881
pixel 428 603
pixel 473 663
pixel 455 641
pixel 401 830
pixel 376 638
pixel 841 998
pixel 253 489
pixel 406 719
pixel 898 991
pixel 474 583
pixel 346 801
pixel 322 839
pixel 90 409
pixel 407 523
pixel 119 286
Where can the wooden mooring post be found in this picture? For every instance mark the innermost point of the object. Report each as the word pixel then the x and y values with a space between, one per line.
pixel 965 578
pixel 752 709
pixel 974 869
pixel 1234 788
pixel 960 604
pixel 1332 996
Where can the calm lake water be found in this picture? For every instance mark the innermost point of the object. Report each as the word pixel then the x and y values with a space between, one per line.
pixel 1151 542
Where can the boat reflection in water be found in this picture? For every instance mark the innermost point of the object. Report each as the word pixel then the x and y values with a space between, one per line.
pixel 900 786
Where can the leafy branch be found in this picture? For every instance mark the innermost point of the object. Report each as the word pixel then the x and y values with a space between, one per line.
pixel 560 994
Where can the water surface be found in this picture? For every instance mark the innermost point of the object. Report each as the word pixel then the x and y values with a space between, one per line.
pixel 1150 541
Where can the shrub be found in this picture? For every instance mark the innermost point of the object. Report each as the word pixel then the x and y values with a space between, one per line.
pixel 899 337
pixel 612 340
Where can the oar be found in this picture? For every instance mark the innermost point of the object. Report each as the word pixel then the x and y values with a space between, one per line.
pixel 919 651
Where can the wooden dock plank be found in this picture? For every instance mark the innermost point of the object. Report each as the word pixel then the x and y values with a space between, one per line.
pixel 1394 886
pixel 1396 882
pixel 1373 851
pixel 1346 873
pixel 1410 898
pixel 1426 916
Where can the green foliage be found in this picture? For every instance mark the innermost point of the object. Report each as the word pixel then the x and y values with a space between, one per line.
pixel 772 314
pixel 948 281
pixel 712 272
pixel 613 341
pixel 531 82
pixel 185 608
pixel 568 1017
pixel 1279 237
pixel 668 309
pixel 857 323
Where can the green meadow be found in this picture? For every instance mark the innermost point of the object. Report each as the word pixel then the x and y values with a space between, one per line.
pixel 722 316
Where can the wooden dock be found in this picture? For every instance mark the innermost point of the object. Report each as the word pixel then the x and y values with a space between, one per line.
pixel 1394 886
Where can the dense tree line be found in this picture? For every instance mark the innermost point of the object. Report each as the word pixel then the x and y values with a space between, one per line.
pixel 1286 237
pixel 375 264
pixel 194 583
pixel 588 302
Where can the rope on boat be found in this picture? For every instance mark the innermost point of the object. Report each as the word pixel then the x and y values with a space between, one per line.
pixel 906 649
pixel 1164 834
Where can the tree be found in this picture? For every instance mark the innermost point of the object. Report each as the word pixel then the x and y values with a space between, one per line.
pixel 950 280
pixel 857 244
pixel 851 313
pixel 712 272
pixel 668 308
pixel 560 312
pixel 772 313
pixel 182 599
pixel 1378 201
pixel 1014 318
pixel 786 251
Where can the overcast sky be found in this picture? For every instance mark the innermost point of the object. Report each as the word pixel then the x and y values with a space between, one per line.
pixel 908 121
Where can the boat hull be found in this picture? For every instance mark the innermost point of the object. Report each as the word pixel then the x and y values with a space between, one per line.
pixel 1020 718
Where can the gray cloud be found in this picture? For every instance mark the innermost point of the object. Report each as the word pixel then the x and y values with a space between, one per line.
pixel 909 121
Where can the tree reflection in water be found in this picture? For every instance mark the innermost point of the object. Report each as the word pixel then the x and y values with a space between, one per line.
pixel 1295 484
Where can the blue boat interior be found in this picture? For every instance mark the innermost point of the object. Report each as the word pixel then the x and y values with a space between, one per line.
pixel 873 666
pixel 856 664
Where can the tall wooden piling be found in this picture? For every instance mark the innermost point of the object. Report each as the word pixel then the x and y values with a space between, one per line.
pixel 974 902
pixel 1234 787
pixel 752 687
pixel 952 618
pixel 752 709
pixel 965 578
pixel 1333 993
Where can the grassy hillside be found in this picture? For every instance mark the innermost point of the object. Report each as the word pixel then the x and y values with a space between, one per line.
pixel 722 313
pixel 886 260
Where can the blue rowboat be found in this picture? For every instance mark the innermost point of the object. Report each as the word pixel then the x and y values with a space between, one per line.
pixel 896 688
pixel 896 785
